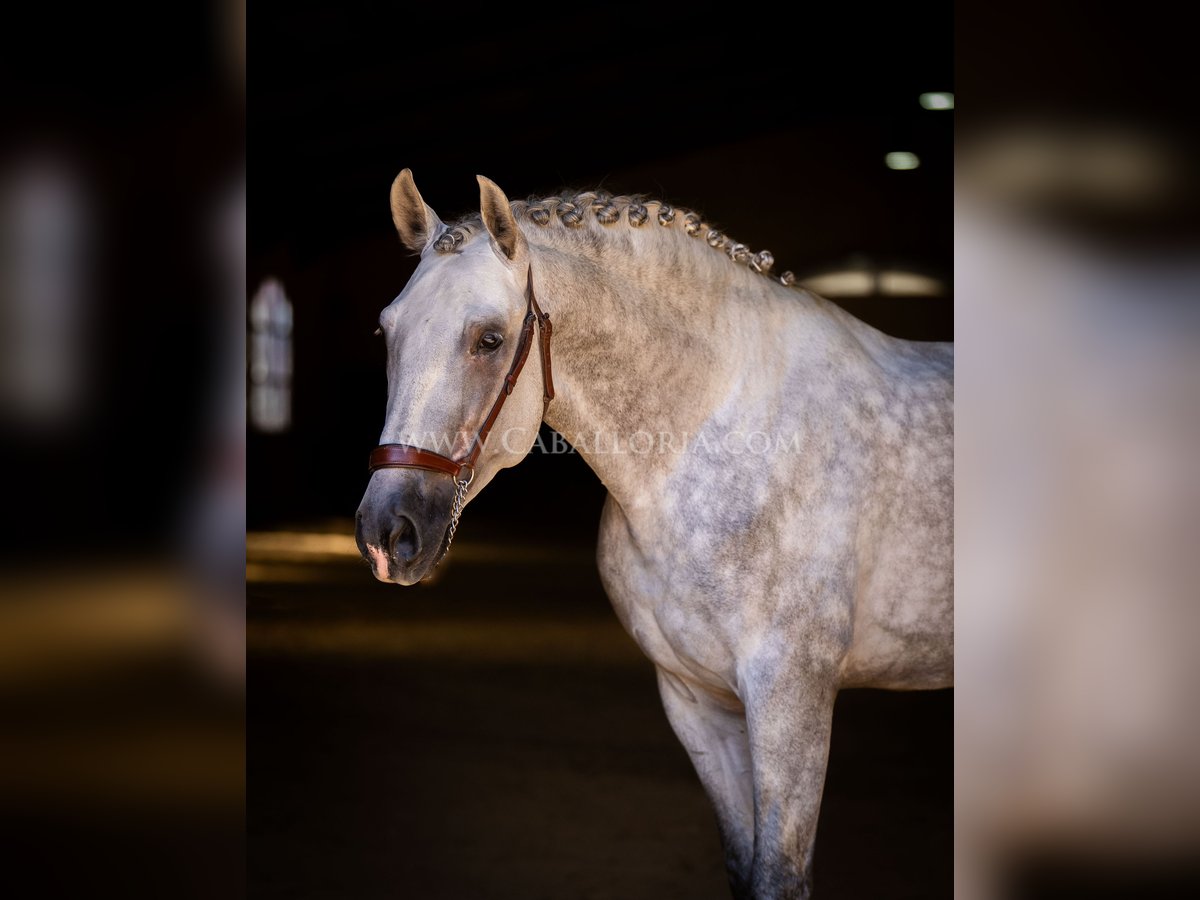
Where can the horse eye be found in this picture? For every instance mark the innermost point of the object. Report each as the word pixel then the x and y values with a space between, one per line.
pixel 490 341
pixel 378 331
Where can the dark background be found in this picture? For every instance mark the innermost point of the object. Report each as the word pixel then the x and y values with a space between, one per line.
pixel 495 733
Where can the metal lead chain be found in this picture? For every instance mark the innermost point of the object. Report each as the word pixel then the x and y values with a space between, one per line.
pixel 460 498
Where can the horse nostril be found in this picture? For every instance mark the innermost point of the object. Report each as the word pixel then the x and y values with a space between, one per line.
pixel 405 543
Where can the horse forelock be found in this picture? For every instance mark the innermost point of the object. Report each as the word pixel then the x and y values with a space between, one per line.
pixel 599 212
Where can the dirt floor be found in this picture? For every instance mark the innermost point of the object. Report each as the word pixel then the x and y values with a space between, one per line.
pixel 497 735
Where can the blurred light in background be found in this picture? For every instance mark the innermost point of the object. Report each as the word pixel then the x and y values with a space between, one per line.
pixel 45 253
pixel 909 284
pixel 271 358
pixel 868 282
pixel 851 283
pixel 901 160
pixel 937 100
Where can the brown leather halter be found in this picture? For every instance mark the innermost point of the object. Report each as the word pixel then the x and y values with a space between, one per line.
pixel 462 470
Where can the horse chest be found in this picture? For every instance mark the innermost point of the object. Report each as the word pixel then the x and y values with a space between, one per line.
pixel 681 627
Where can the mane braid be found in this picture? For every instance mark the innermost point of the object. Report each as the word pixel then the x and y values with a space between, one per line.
pixel 572 212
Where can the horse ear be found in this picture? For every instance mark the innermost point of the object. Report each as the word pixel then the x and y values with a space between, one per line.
pixel 497 216
pixel 416 222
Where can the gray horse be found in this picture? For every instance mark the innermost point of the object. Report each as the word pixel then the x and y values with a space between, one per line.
pixel 779 515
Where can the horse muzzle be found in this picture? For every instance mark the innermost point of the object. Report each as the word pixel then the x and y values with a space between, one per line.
pixel 402 522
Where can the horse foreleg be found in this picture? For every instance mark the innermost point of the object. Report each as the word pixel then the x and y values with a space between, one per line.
pixel 789 713
pixel 714 736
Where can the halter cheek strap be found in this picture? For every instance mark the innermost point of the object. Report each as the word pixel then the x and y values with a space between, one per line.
pixel 462 469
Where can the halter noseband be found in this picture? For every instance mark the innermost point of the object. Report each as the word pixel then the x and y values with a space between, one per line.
pixel 462 470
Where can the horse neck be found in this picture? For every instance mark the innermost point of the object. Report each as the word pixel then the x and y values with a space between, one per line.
pixel 643 349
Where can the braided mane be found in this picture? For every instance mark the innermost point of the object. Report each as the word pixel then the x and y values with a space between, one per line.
pixel 609 211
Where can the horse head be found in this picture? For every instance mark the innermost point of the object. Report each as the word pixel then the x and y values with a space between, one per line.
pixel 455 341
